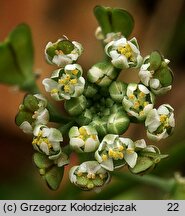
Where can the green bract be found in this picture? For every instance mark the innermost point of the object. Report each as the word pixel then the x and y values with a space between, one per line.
pixel 89 175
pixel 160 122
pixel 63 52
pixel 124 54
pixel 65 83
pixel 32 112
pixel 83 139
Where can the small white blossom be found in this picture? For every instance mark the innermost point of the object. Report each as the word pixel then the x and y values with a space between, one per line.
pixel 65 83
pixel 89 175
pixel 115 152
pixel 63 52
pixel 83 139
pixel 160 122
pixel 149 79
pixel 47 140
pixel 124 54
pixel 138 101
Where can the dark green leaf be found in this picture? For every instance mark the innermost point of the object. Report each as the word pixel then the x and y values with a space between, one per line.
pixel 103 15
pixel 122 21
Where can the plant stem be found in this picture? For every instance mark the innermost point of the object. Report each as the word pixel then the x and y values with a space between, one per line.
pixel 166 185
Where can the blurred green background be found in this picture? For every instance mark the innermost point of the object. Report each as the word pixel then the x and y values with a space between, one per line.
pixel 159 25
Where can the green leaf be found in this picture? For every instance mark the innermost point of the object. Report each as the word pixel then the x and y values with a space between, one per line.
pixel 114 20
pixel 54 177
pixel 122 21
pixel 16 58
pixel 155 60
pixel 103 15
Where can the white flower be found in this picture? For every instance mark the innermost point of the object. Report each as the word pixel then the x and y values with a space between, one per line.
pixel 32 112
pixel 63 52
pixel 65 83
pixel 84 139
pixel 47 140
pixel 124 54
pixel 138 101
pixel 114 152
pixel 160 122
pixel 89 175
pixel 148 78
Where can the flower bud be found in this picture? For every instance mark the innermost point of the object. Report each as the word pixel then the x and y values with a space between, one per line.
pixel 83 139
pixel 124 54
pixel 47 140
pixel 90 90
pixel 63 52
pixel 65 83
pixel 75 106
pixel 138 101
pixel 156 74
pixel 32 112
pixel 100 124
pixel 102 74
pixel 85 118
pixel 117 91
pixel 118 123
pixel 89 175
pixel 160 122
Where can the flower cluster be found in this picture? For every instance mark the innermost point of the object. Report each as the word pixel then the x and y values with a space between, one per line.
pixel 99 110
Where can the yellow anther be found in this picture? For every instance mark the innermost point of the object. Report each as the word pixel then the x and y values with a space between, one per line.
pixel 126 51
pixel 121 155
pixel 94 137
pixel 68 77
pixel 75 72
pixel 73 81
pixel 121 148
pixel 59 52
pixel 142 94
pixel 79 174
pixel 90 175
pixel 136 105
pixel 82 131
pixel 130 151
pixel 145 103
pixel 111 152
pixel 61 81
pixel 141 113
pixel 131 96
pixel 53 91
pixel 163 118
pixel 128 54
pixel 66 88
pixel 104 157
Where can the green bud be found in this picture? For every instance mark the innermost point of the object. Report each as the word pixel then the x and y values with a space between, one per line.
pixel 116 108
pixel 102 74
pixel 75 106
pixel 117 91
pixel 90 90
pixel 109 102
pixel 66 46
pixel 100 124
pixel 85 118
pixel 23 116
pixel 118 123
pixel 165 76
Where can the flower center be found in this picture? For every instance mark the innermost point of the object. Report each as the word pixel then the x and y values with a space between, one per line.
pixel 40 139
pixel 164 120
pixel 84 135
pixel 126 51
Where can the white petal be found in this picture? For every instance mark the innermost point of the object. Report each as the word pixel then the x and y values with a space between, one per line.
pixel 121 62
pixel 26 127
pixel 141 144
pixel 131 159
pixel 76 142
pixel 163 110
pixel 108 164
pixel 90 145
pixel 49 84
pixel 152 121
pixel 154 83
pixel 145 76
pixel 143 89
pixel 74 132
pixel 44 147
